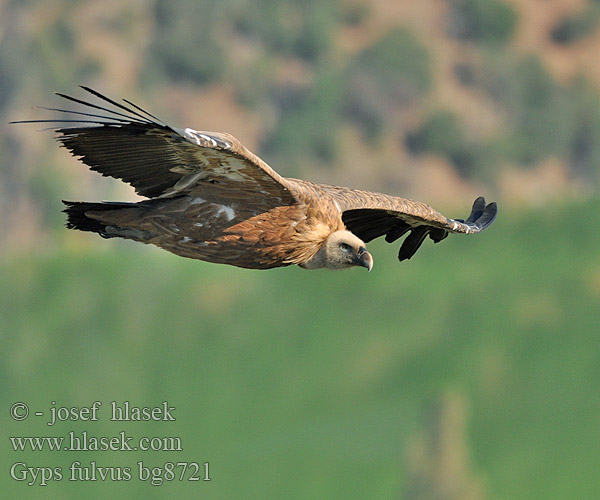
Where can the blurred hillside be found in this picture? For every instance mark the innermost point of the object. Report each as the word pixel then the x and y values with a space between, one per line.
pixel 439 100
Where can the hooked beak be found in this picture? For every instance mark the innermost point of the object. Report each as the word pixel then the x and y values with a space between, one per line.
pixel 365 259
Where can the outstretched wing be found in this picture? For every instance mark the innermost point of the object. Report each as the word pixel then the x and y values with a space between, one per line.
pixel 371 215
pixel 158 160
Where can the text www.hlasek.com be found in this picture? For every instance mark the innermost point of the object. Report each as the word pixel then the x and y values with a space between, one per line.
pixel 84 442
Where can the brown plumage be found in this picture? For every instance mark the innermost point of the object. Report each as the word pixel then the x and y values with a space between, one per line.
pixel 212 199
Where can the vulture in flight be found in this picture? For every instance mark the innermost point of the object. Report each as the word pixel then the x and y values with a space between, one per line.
pixel 210 198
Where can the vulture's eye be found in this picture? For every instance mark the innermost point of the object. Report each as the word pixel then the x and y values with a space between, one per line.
pixel 345 247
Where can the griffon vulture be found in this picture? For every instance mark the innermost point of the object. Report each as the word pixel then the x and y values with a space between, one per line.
pixel 210 198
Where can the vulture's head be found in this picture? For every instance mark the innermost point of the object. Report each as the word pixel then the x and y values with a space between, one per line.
pixel 341 250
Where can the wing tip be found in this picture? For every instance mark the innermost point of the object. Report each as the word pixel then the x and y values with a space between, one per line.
pixel 488 216
pixel 481 217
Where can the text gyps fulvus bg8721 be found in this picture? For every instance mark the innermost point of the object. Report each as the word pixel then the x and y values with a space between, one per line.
pixel 212 199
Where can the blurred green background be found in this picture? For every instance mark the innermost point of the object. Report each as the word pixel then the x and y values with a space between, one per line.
pixel 469 372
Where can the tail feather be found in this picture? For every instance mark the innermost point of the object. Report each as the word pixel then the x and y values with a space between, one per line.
pixel 78 218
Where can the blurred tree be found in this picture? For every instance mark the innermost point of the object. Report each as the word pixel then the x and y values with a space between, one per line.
pixel 308 121
pixel 442 133
pixel 297 28
pixel 481 21
pixel 574 27
pixel 195 53
pixel 438 461
pixel 583 146
pixel 354 13
pixel 391 73
pixel 539 118
pixel 542 117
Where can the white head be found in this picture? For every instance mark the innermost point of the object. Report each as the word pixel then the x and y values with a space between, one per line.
pixel 341 250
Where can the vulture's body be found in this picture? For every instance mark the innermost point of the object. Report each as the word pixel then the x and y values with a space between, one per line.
pixel 212 199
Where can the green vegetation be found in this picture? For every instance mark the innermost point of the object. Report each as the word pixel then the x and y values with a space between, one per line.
pixel 309 120
pixel 297 384
pixel 483 21
pixel 199 56
pixel 539 119
pixel 296 28
pixel 393 72
pixel 443 134
pixel 546 119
